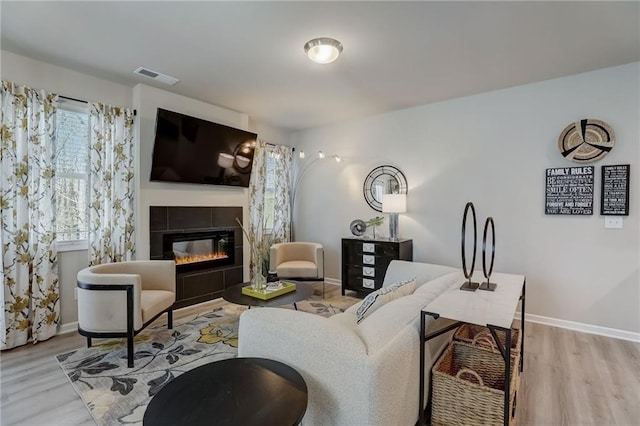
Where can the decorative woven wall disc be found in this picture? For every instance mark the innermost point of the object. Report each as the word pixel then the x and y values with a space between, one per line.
pixel 586 141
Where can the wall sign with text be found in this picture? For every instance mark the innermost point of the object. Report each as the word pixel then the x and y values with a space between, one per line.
pixel 615 190
pixel 569 191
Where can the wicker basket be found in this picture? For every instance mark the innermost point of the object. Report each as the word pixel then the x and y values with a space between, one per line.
pixel 468 387
pixel 481 336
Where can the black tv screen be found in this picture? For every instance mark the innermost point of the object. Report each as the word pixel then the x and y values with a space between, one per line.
pixel 192 150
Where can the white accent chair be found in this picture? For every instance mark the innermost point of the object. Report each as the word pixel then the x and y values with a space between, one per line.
pixel 298 260
pixel 120 299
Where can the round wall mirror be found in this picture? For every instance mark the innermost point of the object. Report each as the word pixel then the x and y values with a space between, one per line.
pixel 383 180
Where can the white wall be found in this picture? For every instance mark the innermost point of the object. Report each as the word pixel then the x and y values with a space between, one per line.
pixel 493 149
pixel 63 81
pixel 37 74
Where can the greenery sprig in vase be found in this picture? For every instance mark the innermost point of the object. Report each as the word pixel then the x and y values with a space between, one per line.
pixel 260 243
pixel 373 222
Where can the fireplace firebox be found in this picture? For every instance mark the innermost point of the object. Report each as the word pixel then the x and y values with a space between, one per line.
pixel 205 242
pixel 199 250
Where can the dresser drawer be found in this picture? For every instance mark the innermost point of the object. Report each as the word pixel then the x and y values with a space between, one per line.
pixel 368 248
pixel 379 249
pixel 366 271
pixel 365 262
pixel 368 259
pixel 364 284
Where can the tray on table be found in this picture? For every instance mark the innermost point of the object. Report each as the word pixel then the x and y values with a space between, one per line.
pixel 270 291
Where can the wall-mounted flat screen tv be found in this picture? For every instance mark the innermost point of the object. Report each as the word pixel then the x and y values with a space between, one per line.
pixel 192 150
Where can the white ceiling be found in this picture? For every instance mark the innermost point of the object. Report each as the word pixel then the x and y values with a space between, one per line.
pixel 248 56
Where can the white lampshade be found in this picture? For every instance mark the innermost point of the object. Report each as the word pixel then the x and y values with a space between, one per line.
pixel 394 203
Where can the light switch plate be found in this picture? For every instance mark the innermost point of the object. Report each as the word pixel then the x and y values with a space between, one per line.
pixel 613 222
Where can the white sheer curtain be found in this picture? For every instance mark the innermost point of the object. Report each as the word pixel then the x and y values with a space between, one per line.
pixel 31 296
pixel 111 172
pixel 282 158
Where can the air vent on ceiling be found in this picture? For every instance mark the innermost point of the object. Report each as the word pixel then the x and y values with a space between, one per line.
pixel 162 78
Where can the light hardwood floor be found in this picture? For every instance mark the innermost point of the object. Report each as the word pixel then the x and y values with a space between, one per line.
pixel 570 378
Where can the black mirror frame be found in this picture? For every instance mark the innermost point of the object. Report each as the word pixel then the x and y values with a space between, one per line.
pixel 388 170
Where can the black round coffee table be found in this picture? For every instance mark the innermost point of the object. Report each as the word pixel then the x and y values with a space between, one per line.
pixel 235 391
pixel 234 294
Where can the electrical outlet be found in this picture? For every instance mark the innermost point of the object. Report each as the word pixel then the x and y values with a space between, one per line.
pixel 613 222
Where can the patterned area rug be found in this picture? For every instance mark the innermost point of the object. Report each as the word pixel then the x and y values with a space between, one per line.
pixel 115 394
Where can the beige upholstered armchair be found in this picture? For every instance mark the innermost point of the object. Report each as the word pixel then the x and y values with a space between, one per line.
pixel 120 299
pixel 298 260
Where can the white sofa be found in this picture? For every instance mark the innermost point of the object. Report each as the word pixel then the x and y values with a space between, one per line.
pixel 356 374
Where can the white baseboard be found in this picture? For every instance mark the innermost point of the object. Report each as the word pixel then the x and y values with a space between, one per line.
pixel 332 281
pixel 68 328
pixel 584 328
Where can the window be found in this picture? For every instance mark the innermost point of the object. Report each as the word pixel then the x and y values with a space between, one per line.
pixel 72 175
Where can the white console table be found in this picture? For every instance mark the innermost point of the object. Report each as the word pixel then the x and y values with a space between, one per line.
pixel 493 309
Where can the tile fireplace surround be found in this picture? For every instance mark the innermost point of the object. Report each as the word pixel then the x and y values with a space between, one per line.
pixel 198 284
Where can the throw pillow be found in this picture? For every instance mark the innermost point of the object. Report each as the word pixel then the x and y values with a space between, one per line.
pixel 384 295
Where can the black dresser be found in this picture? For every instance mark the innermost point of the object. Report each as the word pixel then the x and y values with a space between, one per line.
pixel 365 261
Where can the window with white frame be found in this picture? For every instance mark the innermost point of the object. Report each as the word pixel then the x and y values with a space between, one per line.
pixel 72 174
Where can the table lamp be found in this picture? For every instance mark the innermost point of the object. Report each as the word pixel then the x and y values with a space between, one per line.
pixel 394 204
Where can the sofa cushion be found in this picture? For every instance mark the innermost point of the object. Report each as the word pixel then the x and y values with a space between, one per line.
pixel 400 270
pixel 382 296
pixel 152 302
pixel 386 322
pixel 297 269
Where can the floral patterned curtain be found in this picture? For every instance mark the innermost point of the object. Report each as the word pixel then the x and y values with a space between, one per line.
pixel 257 185
pixel 30 297
pixel 111 184
pixel 268 201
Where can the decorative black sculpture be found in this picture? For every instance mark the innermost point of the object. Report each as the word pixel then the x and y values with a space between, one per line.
pixel 358 226
pixel 468 285
pixel 488 285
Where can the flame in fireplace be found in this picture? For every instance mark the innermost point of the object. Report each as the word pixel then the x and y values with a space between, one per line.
pixel 181 260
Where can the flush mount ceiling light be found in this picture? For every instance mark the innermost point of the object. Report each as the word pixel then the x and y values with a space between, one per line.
pixel 323 50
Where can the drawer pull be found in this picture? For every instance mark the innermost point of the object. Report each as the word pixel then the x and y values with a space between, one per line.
pixel 367 259
pixel 369 272
pixel 368 247
pixel 367 283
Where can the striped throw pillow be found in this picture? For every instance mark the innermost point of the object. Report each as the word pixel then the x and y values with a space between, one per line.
pixel 384 295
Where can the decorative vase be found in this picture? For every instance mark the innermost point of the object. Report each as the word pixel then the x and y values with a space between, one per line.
pixel 258 280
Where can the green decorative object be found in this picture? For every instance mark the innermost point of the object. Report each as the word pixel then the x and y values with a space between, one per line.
pixel 374 222
pixel 269 292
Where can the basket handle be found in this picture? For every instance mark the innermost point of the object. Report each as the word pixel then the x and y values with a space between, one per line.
pixel 486 340
pixel 473 373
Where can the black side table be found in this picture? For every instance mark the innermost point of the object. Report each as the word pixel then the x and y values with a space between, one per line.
pixel 235 391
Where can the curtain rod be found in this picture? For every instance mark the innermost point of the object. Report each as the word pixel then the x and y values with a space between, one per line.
pixel 273 144
pixel 85 102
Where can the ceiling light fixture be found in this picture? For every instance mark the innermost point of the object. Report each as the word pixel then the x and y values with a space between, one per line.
pixel 323 50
